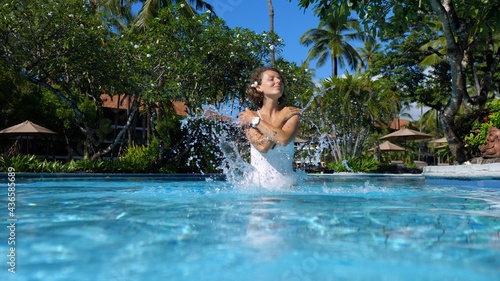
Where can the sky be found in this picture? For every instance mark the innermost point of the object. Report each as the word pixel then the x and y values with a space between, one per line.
pixel 290 23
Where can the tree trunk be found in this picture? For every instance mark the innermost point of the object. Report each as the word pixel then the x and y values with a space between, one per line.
pixel 119 137
pixel 447 117
pixel 456 32
pixel 335 66
pixel 271 27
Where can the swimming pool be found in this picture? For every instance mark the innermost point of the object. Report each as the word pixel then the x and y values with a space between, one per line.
pixel 329 228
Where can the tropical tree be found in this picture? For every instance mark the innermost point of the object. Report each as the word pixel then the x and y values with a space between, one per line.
pixel 149 9
pixel 367 54
pixel 351 105
pixel 64 48
pixel 469 31
pixel 333 39
pixel 201 62
pixel 271 27
pixel 401 63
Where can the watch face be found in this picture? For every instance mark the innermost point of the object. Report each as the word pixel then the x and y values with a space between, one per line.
pixel 255 121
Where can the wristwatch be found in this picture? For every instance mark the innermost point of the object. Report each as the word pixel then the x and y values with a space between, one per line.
pixel 255 121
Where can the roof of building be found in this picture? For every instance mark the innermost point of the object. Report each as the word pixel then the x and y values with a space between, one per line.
pixel 124 102
pixel 396 124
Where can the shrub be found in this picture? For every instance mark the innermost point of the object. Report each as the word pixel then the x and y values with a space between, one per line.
pixel 86 165
pixel 139 158
pixel 489 117
pixel 355 164
pixel 31 164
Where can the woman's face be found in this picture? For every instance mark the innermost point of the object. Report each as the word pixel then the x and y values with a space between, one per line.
pixel 271 83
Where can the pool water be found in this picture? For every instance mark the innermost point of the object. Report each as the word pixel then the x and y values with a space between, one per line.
pixel 328 228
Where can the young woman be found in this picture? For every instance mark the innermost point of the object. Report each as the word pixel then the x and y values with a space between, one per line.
pixel 271 130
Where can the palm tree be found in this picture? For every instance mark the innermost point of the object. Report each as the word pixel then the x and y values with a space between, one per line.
pixel 271 27
pixel 332 40
pixel 150 9
pixel 121 10
pixel 367 53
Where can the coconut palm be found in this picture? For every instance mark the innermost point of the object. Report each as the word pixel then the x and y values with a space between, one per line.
pixel 121 10
pixel 271 27
pixel 367 53
pixel 150 9
pixel 332 39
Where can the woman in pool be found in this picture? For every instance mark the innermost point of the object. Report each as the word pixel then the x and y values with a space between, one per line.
pixel 271 130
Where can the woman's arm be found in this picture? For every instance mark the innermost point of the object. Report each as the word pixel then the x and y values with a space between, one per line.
pixel 265 136
pixel 283 135
pixel 258 140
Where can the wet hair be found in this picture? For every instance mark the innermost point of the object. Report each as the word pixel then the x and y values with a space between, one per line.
pixel 256 76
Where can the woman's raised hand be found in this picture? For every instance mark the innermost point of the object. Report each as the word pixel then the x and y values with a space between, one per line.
pixel 290 111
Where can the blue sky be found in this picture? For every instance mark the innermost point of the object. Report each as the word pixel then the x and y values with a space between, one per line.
pixel 290 22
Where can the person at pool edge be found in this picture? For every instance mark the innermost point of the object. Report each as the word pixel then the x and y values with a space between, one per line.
pixel 271 130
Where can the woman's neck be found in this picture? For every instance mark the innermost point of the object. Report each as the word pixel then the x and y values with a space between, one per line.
pixel 269 109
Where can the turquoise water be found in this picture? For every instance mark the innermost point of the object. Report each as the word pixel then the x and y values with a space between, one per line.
pixel 329 228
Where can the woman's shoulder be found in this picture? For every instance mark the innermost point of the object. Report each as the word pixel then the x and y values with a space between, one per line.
pixel 290 107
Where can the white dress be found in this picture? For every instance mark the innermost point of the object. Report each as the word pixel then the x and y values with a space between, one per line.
pixel 274 169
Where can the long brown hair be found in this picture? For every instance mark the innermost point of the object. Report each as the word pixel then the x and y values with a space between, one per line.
pixel 256 76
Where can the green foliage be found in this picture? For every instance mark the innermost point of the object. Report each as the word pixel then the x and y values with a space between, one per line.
pixel 489 117
pixel 139 158
pixel 332 40
pixel 400 62
pixel 405 14
pixel 356 164
pixel 21 163
pixel 470 45
pixel 31 164
pixel 136 159
pixel 199 60
pixel 445 155
pixel 344 114
pixel 88 166
pixel 66 48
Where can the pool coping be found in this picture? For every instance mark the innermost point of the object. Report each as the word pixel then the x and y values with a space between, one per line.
pixel 471 171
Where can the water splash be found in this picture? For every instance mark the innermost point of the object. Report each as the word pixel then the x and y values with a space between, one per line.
pixel 346 166
pixel 211 126
pixel 310 153
pixel 316 95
